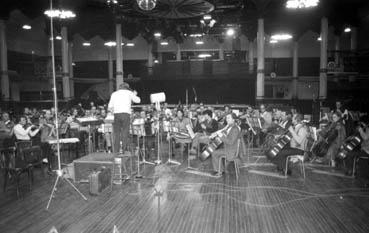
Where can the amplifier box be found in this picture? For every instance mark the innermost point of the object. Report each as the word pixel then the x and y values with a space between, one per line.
pixel 84 166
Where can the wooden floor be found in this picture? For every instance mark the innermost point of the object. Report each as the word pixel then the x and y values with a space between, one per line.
pixel 173 200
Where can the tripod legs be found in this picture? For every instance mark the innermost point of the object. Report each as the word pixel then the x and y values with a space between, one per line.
pixel 60 177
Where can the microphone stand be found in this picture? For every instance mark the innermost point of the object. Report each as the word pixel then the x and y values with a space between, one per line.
pixel 60 173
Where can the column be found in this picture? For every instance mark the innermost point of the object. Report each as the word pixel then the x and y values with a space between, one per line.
pixel 260 54
pixel 337 47
pixel 295 69
pixel 221 51
pixel 110 71
pixel 5 93
pixel 71 73
pixel 353 39
pixel 150 59
pixel 178 56
pixel 323 60
pixel 119 51
pixel 251 56
pixel 65 63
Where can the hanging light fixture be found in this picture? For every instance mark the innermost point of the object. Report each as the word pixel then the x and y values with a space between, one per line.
pixel 146 5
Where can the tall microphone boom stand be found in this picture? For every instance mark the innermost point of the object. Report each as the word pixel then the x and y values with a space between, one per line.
pixel 60 173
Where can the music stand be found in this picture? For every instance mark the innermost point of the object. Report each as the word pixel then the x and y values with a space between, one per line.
pixel 138 130
pixel 156 99
pixel 170 160
pixel 60 173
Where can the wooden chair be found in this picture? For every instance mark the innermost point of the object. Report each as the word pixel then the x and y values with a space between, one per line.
pixel 298 159
pixel 235 160
pixel 20 159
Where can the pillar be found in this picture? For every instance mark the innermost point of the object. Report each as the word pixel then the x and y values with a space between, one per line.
pixel 251 56
pixel 110 71
pixel 71 73
pixel 221 51
pixel 119 51
pixel 5 92
pixel 295 69
pixel 65 63
pixel 353 39
pixel 178 55
pixel 337 48
pixel 260 53
pixel 323 60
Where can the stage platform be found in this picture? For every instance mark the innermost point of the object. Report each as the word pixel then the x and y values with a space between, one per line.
pixel 172 200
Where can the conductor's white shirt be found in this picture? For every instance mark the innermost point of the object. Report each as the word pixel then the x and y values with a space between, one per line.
pixel 121 100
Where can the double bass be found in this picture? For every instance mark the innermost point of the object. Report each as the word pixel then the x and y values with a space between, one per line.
pixel 281 143
pixel 213 145
pixel 351 143
pixel 326 138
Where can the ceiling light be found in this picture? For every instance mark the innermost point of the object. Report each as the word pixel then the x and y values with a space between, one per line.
pixel 122 43
pixel 62 14
pixel 295 4
pixel 199 42
pixel 207 17
pixel 348 29
pixel 111 2
pixel 58 37
pixel 110 43
pixel 273 41
pixel 146 5
pixel 164 43
pixel 204 55
pixel 319 38
pixel 157 34
pixel 156 61
pixel 230 32
pixel 281 37
pixel 212 22
pixel 86 44
pixel 130 44
pixel 26 27
pixel 196 35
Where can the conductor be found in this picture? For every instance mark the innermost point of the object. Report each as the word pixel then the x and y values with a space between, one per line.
pixel 120 105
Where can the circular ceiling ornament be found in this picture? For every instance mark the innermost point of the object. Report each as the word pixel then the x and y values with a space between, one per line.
pixel 178 9
pixel 146 5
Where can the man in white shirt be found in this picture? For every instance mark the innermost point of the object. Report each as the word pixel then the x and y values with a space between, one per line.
pixel 297 145
pixel 120 104
pixel 25 134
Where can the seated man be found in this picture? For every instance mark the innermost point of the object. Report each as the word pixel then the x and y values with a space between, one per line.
pixel 24 134
pixel 297 144
pixel 6 131
pixel 360 151
pixel 208 126
pixel 229 136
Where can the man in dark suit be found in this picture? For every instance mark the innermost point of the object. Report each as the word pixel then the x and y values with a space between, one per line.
pixel 208 126
pixel 229 136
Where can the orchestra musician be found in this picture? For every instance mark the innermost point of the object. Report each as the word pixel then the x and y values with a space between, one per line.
pixel 339 133
pixel 120 104
pixel 47 133
pixel 181 122
pixel 363 150
pixel 229 136
pixel 208 126
pixel 23 132
pixel 297 144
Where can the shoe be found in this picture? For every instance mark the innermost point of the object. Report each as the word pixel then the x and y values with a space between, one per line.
pixel 219 174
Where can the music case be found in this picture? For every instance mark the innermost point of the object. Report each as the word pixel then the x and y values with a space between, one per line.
pixel 99 180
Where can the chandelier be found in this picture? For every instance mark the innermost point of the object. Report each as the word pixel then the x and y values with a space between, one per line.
pixel 146 5
pixel 301 3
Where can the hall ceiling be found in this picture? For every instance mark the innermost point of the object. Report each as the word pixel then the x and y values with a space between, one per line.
pixel 178 18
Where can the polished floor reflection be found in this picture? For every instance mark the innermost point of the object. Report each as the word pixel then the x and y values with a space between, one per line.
pixel 173 199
